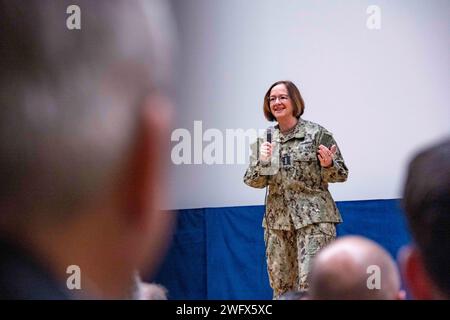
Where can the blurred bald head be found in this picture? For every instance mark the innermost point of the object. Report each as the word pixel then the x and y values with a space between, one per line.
pixel 341 271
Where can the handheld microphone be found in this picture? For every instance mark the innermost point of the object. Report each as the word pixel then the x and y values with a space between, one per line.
pixel 269 135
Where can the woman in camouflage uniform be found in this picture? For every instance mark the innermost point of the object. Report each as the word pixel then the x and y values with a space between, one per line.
pixel 296 167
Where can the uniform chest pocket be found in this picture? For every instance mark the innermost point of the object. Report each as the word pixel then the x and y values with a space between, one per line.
pixel 305 164
pixel 305 152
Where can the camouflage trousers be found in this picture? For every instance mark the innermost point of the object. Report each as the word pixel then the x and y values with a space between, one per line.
pixel 290 252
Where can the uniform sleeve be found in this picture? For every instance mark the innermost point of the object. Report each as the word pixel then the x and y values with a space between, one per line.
pixel 253 177
pixel 338 172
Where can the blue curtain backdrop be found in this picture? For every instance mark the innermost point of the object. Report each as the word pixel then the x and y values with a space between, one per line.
pixel 218 253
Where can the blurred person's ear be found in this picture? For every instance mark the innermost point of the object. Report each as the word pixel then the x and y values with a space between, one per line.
pixel 414 273
pixel 401 295
pixel 146 183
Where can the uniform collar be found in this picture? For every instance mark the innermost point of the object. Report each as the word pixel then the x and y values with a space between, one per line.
pixel 298 132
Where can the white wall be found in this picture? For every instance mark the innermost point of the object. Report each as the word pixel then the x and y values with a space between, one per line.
pixel 383 93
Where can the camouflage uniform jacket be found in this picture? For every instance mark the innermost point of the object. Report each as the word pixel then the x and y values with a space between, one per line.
pixel 298 193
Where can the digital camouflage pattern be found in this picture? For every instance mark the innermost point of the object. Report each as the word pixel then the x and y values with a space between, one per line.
pixel 290 253
pixel 300 212
pixel 298 193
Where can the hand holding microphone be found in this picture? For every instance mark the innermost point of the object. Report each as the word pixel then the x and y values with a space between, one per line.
pixel 267 147
pixel 266 151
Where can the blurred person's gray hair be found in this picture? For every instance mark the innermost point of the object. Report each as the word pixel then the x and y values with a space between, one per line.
pixel 69 98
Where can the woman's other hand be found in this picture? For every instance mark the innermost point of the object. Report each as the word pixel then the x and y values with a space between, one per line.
pixel 326 155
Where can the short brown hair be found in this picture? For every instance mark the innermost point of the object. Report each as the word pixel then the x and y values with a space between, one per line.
pixel 297 100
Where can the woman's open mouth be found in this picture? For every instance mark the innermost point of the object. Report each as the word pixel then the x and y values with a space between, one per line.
pixel 279 109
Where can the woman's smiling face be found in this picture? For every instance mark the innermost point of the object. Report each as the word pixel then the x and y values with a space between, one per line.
pixel 280 102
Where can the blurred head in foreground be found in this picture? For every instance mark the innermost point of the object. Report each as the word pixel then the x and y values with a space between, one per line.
pixel 83 120
pixel 426 201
